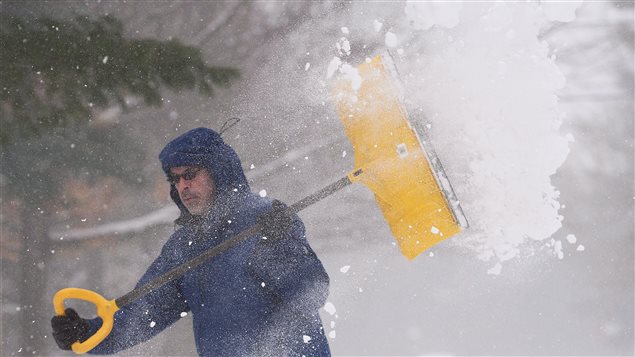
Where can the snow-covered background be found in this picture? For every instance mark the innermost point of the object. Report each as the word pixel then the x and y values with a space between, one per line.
pixel 530 108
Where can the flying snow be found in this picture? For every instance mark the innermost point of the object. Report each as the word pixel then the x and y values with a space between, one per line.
pixel 333 66
pixel 343 46
pixel 330 308
pixel 571 238
pixel 496 270
pixel 558 249
pixel 424 15
pixel 563 11
pixel 391 39
pixel 377 25
pixel 489 85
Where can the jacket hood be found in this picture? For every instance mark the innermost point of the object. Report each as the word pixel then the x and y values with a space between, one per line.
pixel 205 148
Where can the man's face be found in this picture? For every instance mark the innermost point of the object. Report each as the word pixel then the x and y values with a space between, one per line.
pixel 195 186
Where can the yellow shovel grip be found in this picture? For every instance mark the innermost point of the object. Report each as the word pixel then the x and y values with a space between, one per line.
pixel 105 309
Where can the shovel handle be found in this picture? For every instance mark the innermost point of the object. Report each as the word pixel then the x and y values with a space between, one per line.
pixel 105 309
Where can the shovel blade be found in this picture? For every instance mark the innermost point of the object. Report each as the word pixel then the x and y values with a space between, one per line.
pixel 398 163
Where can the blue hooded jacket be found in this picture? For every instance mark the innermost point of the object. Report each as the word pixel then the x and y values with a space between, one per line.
pixel 256 299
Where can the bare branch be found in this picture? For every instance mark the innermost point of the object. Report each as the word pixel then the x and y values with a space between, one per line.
pixel 167 215
pixel 217 23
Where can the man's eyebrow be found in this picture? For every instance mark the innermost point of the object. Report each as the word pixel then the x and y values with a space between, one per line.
pixel 191 170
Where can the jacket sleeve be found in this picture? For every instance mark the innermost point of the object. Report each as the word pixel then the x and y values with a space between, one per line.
pixel 291 270
pixel 145 317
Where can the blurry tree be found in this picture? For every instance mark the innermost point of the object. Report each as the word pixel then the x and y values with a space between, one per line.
pixel 56 77
pixel 57 73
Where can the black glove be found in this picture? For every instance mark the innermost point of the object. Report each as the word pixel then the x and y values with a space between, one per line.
pixel 276 223
pixel 69 328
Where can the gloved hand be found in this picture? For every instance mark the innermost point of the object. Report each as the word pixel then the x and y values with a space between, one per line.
pixel 275 224
pixel 69 328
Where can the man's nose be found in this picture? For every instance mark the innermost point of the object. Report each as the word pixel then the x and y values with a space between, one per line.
pixel 182 184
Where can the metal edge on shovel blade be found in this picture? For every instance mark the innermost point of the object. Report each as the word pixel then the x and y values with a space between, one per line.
pixel 435 164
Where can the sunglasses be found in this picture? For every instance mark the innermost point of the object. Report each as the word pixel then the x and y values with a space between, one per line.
pixel 187 175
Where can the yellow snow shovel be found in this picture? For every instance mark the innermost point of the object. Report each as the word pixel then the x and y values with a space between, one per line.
pixel 398 162
pixel 392 158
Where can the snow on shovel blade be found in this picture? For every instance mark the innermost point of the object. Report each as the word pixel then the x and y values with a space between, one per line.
pixel 398 164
